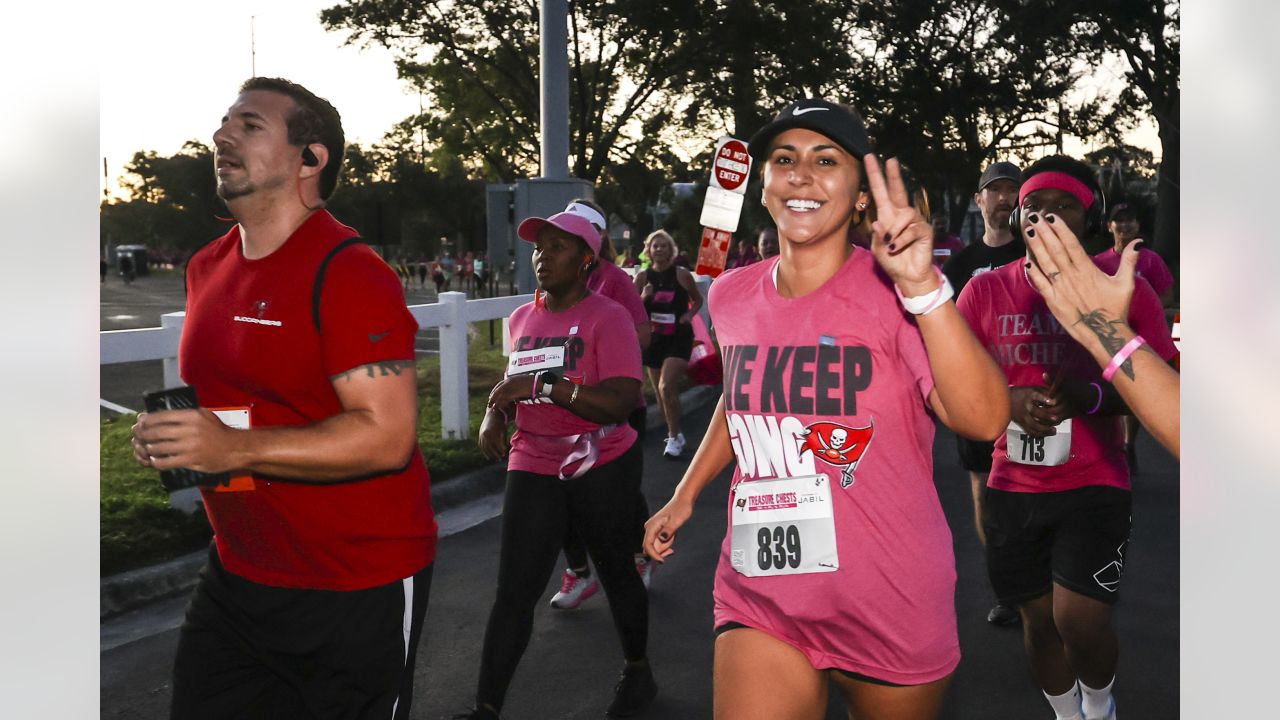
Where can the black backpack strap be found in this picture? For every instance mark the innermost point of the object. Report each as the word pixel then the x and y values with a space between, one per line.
pixel 319 283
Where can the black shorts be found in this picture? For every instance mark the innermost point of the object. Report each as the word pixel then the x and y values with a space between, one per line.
pixel 975 455
pixel 661 347
pixel 1075 538
pixel 255 651
pixel 722 629
pixel 639 421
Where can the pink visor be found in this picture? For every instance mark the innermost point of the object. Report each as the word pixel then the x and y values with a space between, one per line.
pixel 569 222
pixel 1056 181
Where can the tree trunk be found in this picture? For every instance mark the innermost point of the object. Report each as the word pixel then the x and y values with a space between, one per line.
pixel 1167 241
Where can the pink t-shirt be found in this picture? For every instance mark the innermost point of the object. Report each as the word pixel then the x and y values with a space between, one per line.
pixel 945 247
pixel 1011 319
pixel 600 341
pixel 614 283
pixel 1151 267
pixel 845 353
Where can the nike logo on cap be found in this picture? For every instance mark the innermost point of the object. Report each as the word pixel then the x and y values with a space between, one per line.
pixel 801 111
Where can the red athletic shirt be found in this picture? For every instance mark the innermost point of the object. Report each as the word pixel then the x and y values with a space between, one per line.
pixel 250 340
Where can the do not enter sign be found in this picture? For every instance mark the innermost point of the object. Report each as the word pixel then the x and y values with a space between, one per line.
pixel 732 165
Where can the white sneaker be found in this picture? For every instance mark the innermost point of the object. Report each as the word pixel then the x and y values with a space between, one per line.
pixel 675 446
pixel 644 566
pixel 574 590
pixel 1111 712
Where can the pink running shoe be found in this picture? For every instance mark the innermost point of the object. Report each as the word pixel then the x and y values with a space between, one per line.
pixel 574 590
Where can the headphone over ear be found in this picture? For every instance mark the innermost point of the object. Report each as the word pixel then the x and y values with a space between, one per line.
pixel 309 158
pixel 1093 217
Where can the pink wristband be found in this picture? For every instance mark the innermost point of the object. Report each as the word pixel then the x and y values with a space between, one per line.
pixel 1118 359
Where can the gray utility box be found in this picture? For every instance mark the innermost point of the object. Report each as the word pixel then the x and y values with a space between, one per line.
pixel 506 205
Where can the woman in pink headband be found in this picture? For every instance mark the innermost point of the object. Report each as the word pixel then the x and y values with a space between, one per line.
pixel 1058 506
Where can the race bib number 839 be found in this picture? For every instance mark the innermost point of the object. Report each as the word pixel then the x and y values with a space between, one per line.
pixel 783 527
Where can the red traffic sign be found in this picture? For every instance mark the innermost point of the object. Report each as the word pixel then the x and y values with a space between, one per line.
pixel 713 251
pixel 732 165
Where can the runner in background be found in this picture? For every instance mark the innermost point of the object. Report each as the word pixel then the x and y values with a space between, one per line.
pixel 996 197
pixel 838 565
pixel 573 458
pixel 945 244
pixel 767 243
pixel 671 298
pixel 1125 229
pixel 577 583
pixel 1058 511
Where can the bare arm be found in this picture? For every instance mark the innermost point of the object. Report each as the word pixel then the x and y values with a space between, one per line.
pixel 1092 307
pixel 685 278
pixel 608 402
pixel 375 433
pixel 713 455
pixel 970 393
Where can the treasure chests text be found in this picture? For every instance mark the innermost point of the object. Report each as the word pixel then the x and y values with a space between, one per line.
pixel 796 379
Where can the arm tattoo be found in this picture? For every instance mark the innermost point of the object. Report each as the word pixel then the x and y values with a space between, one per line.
pixel 382 368
pixel 1111 341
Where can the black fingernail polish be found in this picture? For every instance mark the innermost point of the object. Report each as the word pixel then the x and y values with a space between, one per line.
pixel 1028 266
pixel 1049 218
pixel 893 246
pixel 887 237
pixel 1033 218
pixel 1031 232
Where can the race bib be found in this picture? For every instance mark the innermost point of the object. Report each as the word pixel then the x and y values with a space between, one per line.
pixel 238 418
pixel 663 323
pixel 527 362
pixel 1027 449
pixel 783 527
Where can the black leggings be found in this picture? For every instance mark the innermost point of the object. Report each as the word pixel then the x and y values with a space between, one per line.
pixel 575 552
pixel 535 512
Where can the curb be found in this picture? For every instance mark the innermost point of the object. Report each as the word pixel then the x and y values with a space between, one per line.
pixel 136 588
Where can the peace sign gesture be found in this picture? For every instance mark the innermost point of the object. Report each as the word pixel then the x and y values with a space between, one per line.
pixel 901 238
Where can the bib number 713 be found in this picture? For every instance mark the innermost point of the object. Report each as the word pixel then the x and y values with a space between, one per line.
pixel 1032 449
pixel 778 547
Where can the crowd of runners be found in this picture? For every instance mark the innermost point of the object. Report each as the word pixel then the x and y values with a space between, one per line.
pixel 846 331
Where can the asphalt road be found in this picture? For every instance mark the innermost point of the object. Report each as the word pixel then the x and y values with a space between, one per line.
pixel 573 659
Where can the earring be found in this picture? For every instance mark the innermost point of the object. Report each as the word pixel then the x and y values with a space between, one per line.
pixel 762 202
pixel 862 206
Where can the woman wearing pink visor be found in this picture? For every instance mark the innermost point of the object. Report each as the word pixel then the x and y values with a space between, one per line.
pixel 572 379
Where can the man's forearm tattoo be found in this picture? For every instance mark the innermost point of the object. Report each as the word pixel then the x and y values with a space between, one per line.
pixel 1106 330
pixel 382 368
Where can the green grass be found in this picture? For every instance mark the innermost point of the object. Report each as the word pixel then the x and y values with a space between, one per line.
pixel 138 528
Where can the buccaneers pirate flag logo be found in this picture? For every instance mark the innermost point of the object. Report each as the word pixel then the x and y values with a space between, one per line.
pixel 838 445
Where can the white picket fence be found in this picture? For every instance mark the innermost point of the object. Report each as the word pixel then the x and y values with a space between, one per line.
pixel 451 315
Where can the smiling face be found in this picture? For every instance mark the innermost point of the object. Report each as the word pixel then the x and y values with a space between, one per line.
pixel 662 250
pixel 1124 228
pixel 558 260
pixel 251 147
pixel 811 186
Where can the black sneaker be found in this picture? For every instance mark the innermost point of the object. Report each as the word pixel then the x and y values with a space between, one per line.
pixel 1002 614
pixel 634 691
pixel 482 712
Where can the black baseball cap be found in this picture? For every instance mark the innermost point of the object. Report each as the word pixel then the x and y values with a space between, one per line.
pixel 840 123
pixel 999 171
pixel 1123 208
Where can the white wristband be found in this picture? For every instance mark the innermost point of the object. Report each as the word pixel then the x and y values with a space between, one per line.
pixel 925 304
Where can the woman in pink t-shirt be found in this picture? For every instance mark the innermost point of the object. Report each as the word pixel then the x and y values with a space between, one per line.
pixel 572 380
pixel 837 566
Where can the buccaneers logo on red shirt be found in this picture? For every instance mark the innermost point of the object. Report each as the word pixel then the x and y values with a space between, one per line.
pixel 838 445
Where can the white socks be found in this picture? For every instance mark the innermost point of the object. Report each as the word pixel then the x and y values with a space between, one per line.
pixel 1066 705
pixel 1097 703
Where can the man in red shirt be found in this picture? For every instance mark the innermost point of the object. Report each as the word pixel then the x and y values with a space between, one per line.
pixel 298 337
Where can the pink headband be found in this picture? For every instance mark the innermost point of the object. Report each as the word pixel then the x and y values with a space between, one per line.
pixel 1056 181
